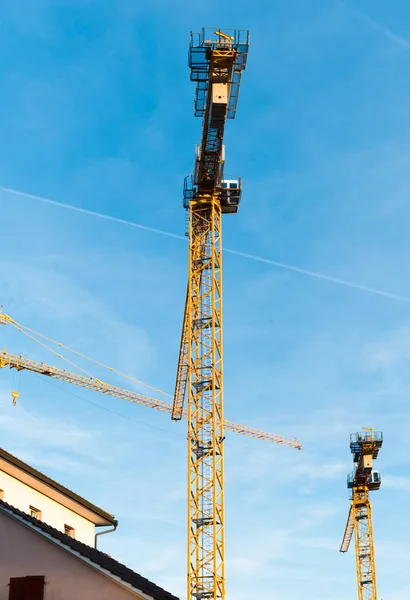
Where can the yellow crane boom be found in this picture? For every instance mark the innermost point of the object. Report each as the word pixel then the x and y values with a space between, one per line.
pixel 20 363
pixel 365 447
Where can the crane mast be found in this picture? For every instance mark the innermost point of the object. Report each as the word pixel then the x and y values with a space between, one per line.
pixel 365 447
pixel 216 61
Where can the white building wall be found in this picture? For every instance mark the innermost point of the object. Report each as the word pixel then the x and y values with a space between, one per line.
pixel 22 496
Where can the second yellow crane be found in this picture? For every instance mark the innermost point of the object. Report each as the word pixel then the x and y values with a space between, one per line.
pixel 21 363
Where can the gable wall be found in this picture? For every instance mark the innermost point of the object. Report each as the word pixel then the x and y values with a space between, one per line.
pixel 25 552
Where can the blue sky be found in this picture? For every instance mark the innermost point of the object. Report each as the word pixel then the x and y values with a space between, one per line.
pixel 96 112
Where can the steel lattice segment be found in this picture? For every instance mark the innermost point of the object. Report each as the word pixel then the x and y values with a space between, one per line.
pixel 365 563
pixel 205 405
pixel 209 169
pixel 347 537
pixel 216 61
pixel 206 42
pixel 182 371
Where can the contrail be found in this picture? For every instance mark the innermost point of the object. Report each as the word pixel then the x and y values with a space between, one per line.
pixel 356 286
pixel 374 25
pixel 268 261
pixel 91 212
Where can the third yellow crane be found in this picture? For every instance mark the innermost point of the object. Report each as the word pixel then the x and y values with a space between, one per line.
pixel 365 447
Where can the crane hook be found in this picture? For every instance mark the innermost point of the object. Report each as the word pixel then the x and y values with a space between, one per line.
pixel 15 395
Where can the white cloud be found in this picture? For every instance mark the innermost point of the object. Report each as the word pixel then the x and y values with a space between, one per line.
pixel 390 351
pixel 58 462
pixel 28 427
pixel 89 324
pixel 396 482
pixel 401 594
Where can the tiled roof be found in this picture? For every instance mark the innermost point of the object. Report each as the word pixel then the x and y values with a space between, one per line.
pixel 93 555
pixel 13 460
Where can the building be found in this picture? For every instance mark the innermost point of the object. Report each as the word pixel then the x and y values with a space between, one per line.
pixel 41 497
pixel 45 549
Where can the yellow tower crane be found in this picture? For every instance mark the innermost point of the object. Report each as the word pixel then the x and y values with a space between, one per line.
pixel 365 447
pixel 20 363
pixel 216 61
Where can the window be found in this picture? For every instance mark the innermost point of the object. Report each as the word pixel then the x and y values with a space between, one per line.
pixel 35 512
pixel 1 494
pixel 70 531
pixel 27 588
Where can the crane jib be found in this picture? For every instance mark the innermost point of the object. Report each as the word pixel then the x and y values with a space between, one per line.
pixel 209 168
pixel 216 65
pixel 21 363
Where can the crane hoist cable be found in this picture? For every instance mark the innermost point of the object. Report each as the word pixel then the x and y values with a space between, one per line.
pixel 6 319
pixel 21 363
pixel 73 364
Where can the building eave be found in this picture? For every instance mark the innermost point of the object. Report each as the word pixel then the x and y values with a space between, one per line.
pixel 9 462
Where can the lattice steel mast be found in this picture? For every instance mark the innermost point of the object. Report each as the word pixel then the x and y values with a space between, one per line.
pixel 365 448
pixel 216 60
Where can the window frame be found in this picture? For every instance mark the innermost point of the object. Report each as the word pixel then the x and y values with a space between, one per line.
pixel 69 530
pixel 38 514
pixel 30 586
